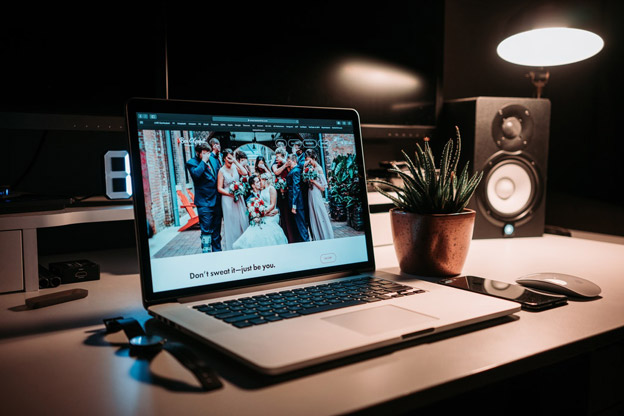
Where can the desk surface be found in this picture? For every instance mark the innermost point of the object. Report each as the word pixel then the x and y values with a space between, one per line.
pixel 53 360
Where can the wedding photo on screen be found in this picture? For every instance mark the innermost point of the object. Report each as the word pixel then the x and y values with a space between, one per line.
pixel 230 204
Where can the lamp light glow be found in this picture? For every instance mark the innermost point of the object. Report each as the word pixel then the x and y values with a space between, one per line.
pixel 550 46
pixel 377 77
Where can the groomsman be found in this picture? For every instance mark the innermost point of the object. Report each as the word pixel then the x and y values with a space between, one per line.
pixel 298 150
pixel 295 198
pixel 215 152
pixel 203 169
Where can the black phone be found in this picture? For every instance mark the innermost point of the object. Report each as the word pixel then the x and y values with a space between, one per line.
pixel 530 300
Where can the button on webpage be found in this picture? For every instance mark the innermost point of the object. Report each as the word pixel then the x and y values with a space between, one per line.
pixel 328 258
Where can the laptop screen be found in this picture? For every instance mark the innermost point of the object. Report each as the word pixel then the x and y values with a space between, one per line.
pixel 232 195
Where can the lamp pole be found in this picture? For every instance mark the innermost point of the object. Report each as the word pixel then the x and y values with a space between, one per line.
pixel 539 79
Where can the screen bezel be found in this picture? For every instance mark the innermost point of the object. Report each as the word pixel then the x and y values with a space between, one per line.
pixel 142 105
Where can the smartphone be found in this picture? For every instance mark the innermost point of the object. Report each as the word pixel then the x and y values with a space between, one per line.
pixel 530 300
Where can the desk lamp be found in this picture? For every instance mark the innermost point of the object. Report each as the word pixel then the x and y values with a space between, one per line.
pixel 549 35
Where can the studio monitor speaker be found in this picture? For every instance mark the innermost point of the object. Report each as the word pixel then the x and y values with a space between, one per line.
pixel 507 139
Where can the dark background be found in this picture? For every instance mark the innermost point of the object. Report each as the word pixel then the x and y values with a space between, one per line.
pixel 90 59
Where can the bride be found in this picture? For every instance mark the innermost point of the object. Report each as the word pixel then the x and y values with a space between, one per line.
pixel 268 232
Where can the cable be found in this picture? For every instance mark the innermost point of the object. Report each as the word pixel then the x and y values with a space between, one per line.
pixel 34 159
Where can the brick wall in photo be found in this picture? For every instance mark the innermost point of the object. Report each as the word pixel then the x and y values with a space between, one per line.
pixel 182 151
pixel 337 144
pixel 160 203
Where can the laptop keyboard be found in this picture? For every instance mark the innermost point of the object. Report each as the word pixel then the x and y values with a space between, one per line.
pixel 272 307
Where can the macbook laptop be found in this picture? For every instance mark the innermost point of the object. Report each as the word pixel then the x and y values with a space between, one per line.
pixel 245 239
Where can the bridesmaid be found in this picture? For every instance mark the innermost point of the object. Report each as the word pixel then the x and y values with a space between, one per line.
pixel 261 166
pixel 235 220
pixel 320 224
pixel 245 172
pixel 280 170
pixel 243 162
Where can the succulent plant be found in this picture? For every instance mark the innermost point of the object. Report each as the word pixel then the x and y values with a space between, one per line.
pixel 425 189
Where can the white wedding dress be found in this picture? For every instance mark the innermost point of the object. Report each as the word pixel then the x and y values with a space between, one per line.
pixel 268 233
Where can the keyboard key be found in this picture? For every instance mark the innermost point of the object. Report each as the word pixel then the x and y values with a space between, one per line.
pixel 242 324
pixel 289 315
pixel 273 318
pixel 214 311
pixel 227 315
pixel 240 318
pixel 258 321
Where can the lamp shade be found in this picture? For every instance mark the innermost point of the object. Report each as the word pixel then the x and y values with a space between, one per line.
pixel 550 46
pixel 545 34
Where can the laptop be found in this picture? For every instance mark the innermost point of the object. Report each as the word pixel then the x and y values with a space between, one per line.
pixel 292 284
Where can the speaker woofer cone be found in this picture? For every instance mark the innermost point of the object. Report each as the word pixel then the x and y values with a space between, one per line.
pixel 510 189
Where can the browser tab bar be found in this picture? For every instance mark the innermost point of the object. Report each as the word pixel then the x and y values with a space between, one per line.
pixel 256 120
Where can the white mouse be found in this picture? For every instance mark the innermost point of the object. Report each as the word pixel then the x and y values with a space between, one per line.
pixel 564 284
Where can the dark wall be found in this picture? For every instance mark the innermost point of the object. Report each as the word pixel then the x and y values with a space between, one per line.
pixel 89 60
pixel 585 172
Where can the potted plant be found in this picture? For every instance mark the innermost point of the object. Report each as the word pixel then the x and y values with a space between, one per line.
pixel 431 226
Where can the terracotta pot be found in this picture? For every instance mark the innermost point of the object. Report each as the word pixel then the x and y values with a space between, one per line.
pixel 434 244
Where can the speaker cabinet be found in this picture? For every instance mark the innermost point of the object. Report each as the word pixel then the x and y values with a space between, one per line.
pixel 507 139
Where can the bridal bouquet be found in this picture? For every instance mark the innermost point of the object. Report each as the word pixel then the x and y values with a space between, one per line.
pixel 309 173
pixel 280 185
pixel 238 189
pixel 257 209
pixel 245 181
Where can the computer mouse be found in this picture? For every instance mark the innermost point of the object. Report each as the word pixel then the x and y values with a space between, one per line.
pixel 564 284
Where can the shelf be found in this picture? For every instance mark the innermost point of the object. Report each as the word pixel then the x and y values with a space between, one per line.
pixel 67 216
pixel 22 227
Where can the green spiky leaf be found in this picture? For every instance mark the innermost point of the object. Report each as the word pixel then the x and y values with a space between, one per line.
pixel 428 191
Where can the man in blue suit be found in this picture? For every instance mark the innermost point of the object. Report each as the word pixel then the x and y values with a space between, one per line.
pixel 215 151
pixel 204 168
pixel 298 150
pixel 295 197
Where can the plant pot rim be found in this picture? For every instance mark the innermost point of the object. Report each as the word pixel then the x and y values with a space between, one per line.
pixel 465 211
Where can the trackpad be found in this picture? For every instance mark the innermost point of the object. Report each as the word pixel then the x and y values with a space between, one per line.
pixel 380 319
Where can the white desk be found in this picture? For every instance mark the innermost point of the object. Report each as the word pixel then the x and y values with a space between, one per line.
pixel 49 366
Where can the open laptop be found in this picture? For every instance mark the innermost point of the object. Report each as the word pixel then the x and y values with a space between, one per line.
pixel 268 294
